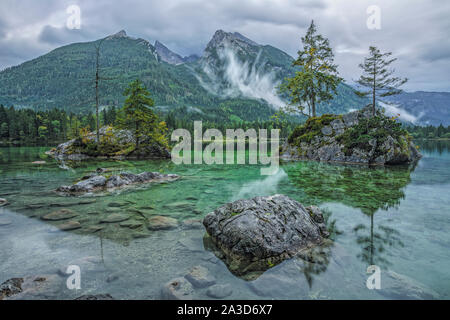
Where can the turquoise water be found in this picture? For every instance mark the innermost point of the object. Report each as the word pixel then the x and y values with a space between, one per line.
pixel 397 218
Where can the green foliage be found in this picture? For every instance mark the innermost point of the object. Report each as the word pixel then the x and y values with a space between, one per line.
pixel 377 77
pixel 27 126
pixel 317 79
pixel 137 115
pixel 379 128
pixel 312 128
pixel 65 78
pixel 429 132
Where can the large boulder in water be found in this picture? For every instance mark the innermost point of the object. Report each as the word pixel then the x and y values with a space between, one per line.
pixel 258 233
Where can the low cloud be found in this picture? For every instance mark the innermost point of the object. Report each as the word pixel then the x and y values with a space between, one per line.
pixel 30 28
pixel 393 110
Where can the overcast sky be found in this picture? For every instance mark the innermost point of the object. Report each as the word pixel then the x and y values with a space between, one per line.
pixel 417 32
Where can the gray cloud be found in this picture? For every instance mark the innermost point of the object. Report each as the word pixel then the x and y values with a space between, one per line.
pixel 416 32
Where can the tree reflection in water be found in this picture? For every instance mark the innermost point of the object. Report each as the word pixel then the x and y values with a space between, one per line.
pixel 370 189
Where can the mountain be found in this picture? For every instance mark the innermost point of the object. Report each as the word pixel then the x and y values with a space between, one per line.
pixel 235 78
pixel 166 55
pixel 424 108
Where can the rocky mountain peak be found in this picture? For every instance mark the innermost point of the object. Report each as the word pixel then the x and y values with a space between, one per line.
pixel 120 34
pixel 222 38
pixel 166 55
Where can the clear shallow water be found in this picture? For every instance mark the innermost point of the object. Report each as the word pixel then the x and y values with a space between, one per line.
pixel 397 218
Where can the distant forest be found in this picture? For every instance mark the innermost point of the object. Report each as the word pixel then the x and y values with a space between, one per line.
pixel 50 127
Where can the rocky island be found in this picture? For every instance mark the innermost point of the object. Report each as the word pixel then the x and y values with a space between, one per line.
pixel 114 143
pixel 355 137
pixel 258 233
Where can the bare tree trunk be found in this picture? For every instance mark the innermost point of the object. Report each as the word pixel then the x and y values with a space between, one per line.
pixel 374 85
pixel 313 103
pixel 96 94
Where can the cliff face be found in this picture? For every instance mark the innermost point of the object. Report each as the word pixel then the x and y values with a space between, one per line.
pixel 355 137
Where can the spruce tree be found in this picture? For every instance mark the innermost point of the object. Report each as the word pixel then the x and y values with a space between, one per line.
pixel 317 79
pixel 377 76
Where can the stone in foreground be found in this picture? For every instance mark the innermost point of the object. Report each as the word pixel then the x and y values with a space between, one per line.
pixel 42 287
pixel 100 183
pixel 177 289
pixel 200 278
pixel 106 296
pixel 3 202
pixel 219 291
pixel 258 233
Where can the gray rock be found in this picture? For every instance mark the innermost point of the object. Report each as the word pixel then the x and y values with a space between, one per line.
pixel 262 231
pixel 41 287
pixel 62 214
pixel 69 225
pixel 337 124
pixel 10 287
pixel 327 130
pixel 219 291
pixel 106 296
pixel 200 278
pixel 177 289
pixel 162 223
pixel 3 202
pixel 98 182
pixel 115 217
pixel 131 224
pixel 350 119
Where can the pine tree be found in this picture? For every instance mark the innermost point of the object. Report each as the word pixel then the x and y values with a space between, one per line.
pixel 378 77
pixel 136 113
pixel 317 79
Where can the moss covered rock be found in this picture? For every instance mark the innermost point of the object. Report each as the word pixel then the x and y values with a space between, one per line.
pixel 114 143
pixel 355 137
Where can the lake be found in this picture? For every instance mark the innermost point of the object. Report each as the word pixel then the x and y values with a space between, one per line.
pixel 397 218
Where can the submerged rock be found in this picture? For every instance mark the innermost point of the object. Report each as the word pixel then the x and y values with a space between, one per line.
pixel 106 296
pixel 131 224
pixel 30 288
pixel 10 287
pixel 219 291
pixel 69 225
pixel 177 289
pixel 3 202
pixel 200 278
pixel 356 137
pixel 162 223
pixel 99 182
pixel 115 217
pixel 258 233
pixel 62 214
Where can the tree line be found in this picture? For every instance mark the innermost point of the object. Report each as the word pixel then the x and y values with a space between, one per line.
pixel 27 126
pixel 429 132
